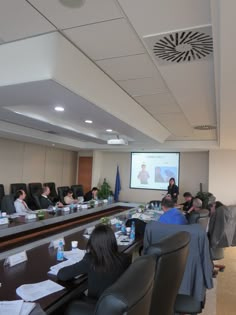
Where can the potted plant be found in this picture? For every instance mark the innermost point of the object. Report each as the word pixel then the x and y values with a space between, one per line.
pixel 105 220
pixel 105 190
pixel 204 196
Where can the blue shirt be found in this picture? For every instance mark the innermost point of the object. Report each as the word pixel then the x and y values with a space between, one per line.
pixel 173 216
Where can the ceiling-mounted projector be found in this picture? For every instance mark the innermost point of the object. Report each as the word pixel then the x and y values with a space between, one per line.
pixel 117 141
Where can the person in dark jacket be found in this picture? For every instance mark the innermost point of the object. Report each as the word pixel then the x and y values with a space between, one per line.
pixel 92 194
pixel 173 189
pixel 187 205
pixel 102 263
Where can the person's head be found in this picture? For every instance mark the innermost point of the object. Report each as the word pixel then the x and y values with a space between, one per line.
pixel 69 193
pixel 171 181
pixel 20 194
pixel 187 196
pixel 167 203
pixel 103 247
pixel 197 204
pixel 46 190
pixel 143 166
pixel 94 192
pixel 214 205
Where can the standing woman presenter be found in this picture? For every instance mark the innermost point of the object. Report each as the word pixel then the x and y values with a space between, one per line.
pixel 173 190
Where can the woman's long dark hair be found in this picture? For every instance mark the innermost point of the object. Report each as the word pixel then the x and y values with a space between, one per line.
pixel 103 248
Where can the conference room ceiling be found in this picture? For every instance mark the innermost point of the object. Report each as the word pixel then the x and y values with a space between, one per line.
pixel 144 69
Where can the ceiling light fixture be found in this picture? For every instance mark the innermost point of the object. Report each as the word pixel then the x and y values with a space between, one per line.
pixel 117 141
pixel 59 109
pixel 109 130
pixel 88 121
pixel 72 3
pixel 205 127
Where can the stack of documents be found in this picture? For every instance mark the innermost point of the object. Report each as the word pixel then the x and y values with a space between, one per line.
pixel 72 257
pixel 16 307
pixel 35 291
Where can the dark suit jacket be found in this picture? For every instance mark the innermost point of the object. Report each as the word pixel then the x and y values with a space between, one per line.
pixel 45 202
pixel 198 272
pixel 88 196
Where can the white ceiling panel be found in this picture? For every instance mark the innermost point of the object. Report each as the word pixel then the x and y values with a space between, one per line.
pixel 176 123
pixel 166 15
pixel 143 86
pixel 18 20
pixel 130 67
pixel 91 12
pixel 196 135
pixel 160 103
pixel 106 39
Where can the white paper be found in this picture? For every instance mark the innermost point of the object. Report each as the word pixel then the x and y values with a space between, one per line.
pixel 27 307
pixel 11 307
pixel 74 254
pixel 35 291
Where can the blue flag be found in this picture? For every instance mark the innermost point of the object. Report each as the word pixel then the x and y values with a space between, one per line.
pixel 117 186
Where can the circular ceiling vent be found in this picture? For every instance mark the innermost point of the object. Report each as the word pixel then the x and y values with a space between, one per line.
pixel 183 46
pixel 205 127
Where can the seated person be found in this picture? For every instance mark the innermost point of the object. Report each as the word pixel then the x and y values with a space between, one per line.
pixel 193 214
pixel 20 205
pixel 102 263
pixel 45 202
pixel 188 201
pixel 171 215
pixel 68 199
pixel 92 194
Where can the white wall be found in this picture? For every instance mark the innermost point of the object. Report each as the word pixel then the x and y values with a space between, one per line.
pixel 25 162
pixel 222 173
pixel 193 171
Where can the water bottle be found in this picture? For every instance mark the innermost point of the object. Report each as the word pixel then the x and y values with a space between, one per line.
pixel 60 251
pixel 132 233
pixel 123 228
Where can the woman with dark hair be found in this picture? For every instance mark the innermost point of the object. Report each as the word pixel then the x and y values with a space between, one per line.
pixel 173 190
pixel 102 262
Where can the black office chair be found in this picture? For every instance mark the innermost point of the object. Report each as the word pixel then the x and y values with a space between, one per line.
pixel 154 204
pixel 62 191
pixel 17 186
pixel 130 295
pixel 2 192
pixel 35 190
pixel 171 254
pixel 78 191
pixel 139 226
pixel 192 289
pixel 7 204
pixel 53 194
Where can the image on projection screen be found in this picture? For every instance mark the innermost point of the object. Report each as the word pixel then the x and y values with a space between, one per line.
pixel 153 170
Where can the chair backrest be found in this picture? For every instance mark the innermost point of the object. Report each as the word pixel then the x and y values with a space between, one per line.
pixel 203 220
pixel 2 192
pixel 171 254
pixel 199 263
pixel 62 192
pixel 78 191
pixel 154 204
pixel 139 226
pixel 53 194
pixel 7 204
pixel 131 294
pixel 35 188
pixel 36 201
pixel 17 186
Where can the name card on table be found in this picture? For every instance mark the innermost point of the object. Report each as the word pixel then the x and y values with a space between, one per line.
pixel 16 259
pixel 55 243
pixel 84 206
pixel 4 221
pixel 31 216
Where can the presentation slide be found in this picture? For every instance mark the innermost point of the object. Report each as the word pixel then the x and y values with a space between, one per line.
pixel 153 170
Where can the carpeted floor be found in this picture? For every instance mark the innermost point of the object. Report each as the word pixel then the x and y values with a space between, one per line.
pixel 222 299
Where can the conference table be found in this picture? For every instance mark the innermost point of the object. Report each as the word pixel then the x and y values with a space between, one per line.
pixel 41 257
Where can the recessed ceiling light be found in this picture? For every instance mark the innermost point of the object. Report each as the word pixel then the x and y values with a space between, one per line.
pixel 88 121
pixel 59 109
pixel 109 130
pixel 205 127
